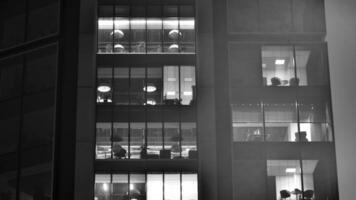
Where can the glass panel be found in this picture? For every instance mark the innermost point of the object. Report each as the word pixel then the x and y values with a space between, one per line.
pixel 286 179
pixel 309 168
pixel 104 89
pixel 154 187
pixel 187 85
pixel 102 187
pixel 138 148
pixel 247 122
pixel 154 35
pixel 189 187
pixel 121 35
pixel 137 186
pixel 154 139
pixel 121 86
pixel 103 140
pixel 314 121
pixel 171 85
pixel 278 66
pixel 120 140
pixel 8 173
pixel 248 132
pixel 138 35
pixel 137 86
pixel 311 70
pixel 189 140
pixel 12 22
pixel 120 187
pixel 41 70
pixel 105 34
pixel 281 121
pixel 10 77
pixel 172 138
pixel 171 35
pixel 154 86
pixel 172 186
pixel 187 35
pixel 43 18
pixel 38 112
pixel 36 185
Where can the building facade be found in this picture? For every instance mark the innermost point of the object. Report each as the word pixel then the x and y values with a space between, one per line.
pixel 166 100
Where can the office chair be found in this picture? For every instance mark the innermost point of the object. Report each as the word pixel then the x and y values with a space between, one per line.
pixel 284 194
pixel 308 195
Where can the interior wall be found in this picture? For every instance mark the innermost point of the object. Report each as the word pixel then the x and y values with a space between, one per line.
pixel 341 29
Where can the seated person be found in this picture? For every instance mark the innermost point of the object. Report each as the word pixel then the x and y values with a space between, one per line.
pixel 118 151
pixel 301 136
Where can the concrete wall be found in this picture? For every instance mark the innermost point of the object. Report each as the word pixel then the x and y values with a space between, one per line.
pixel 341 37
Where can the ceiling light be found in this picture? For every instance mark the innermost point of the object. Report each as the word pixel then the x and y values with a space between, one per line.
pixel 171 93
pixel 188 93
pixel 104 88
pixel 149 88
pixel 174 34
pixel 118 33
pixel 291 170
pixel 280 62
pixel 119 46
pixel 105 187
pixel 264 65
pixel 151 102
pixel 188 79
pixel 173 47
pixel 132 186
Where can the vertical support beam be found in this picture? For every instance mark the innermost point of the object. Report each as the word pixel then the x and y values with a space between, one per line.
pixel 86 102
pixel 65 125
pixel 207 175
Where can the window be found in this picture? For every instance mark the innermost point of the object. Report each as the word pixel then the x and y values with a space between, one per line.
pixel 120 31
pixel 152 85
pixel 150 186
pixel 282 121
pixel 299 65
pixel 146 140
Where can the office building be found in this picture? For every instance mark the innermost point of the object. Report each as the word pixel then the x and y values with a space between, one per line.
pixel 166 100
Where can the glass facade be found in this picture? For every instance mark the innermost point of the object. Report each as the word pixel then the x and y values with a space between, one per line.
pixel 27 101
pixel 146 30
pixel 146 186
pixel 165 85
pixel 27 20
pixel 146 140
pixel 288 121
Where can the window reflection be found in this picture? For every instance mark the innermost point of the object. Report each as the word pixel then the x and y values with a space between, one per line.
pixel 154 35
pixel 138 149
pixel 120 140
pixel 121 86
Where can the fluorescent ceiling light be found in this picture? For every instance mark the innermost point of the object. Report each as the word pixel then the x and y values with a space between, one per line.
pixel 291 170
pixel 151 102
pixel 105 187
pixel 150 88
pixel 188 79
pixel 188 93
pixel 173 47
pixel 118 33
pixel 280 62
pixel 119 46
pixel 104 88
pixel 171 93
